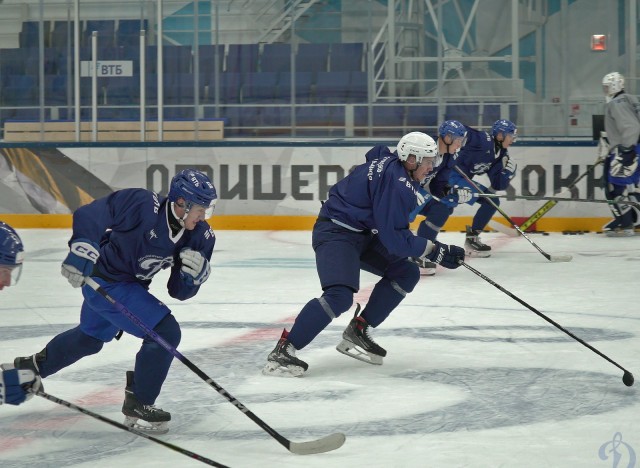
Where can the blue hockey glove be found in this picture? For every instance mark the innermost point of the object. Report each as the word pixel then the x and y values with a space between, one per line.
pixel 195 268
pixel 16 383
pixel 458 195
pixel 449 256
pixel 79 263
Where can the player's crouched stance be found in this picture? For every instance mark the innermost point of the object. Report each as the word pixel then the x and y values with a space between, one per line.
pixel 364 224
pixel 16 385
pixel 122 241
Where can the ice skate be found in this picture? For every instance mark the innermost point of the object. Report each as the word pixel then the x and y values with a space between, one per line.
pixel 282 361
pixel 426 267
pixel 32 363
pixel 145 418
pixel 474 246
pixel 614 228
pixel 358 344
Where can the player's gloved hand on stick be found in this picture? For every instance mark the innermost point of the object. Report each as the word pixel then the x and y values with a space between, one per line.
pixel 195 268
pixel 449 256
pixel 625 161
pixel 83 254
pixel 16 383
pixel 457 196
pixel 509 165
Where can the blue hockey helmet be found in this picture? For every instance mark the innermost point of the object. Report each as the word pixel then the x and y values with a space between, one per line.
pixel 453 128
pixel 506 127
pixel 195 188
pixel 11 251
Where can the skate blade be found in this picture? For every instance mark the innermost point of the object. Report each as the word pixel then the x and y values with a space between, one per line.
pixel 427 271
pixel 478 253
pixel 157 428
pixel 276 370
pixel 626 233
pixel 349 349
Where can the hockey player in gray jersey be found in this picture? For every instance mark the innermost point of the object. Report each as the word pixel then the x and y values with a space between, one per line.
pixel 621 171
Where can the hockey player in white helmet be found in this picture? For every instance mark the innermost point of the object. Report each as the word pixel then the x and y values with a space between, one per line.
pixel 364 224
pixel 621 171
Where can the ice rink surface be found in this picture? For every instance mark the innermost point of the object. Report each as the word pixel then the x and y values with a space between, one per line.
pixel 472 378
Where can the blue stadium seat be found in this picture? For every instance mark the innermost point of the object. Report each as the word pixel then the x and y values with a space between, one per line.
pixel 303 87
pixel 421 118
pixel 12 62
pixel 242 58
pixel 105 29
pixel 56 90
pixel 30 37
pixel 128 32
pixel 465 113
pixel 259 87
pixel 332 87
pixel 276 117
pixel 358 86
pixel 346 57
pixel 122 90
pixel 312 57
pixel 490 113
pixel 207 62
pixel 241 121
pixel 62 34
pixel 229 88
pixel 276 58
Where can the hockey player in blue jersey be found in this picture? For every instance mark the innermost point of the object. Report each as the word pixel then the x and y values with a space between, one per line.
pixel 440 197
pixel 15 384
pixel 364 224
pixel 621 169
pixel 484 153
pixel 122 241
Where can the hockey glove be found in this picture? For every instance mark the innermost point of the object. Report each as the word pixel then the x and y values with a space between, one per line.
pixel 195 268
pixel 509 166
pixel 79 262
pixel 16 383
pixel 603 146
pixel 457 196
pixel 449 256
pixel 625 161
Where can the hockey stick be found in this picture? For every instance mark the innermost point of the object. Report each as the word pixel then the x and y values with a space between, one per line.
pixel 82 410
pixel 325 444
pixel 551 203
pixel 558 199
pixel 627 377
pixel 552 258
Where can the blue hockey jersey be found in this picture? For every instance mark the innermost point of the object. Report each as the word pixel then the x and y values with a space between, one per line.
pixel 378 197
pixel 136 242
pixel 478 156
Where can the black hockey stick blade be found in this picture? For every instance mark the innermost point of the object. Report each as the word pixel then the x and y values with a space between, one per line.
pixel 325 444
pixel 82 410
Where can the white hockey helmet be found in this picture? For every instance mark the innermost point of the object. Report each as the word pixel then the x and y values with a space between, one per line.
pixel 612 84
pixel 420 145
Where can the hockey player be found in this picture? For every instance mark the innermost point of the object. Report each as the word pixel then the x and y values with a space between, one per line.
pixel 440 197
pixel 15 384
pixel 122 241
pixel 622 174
pixel 484 154
pixel 364 224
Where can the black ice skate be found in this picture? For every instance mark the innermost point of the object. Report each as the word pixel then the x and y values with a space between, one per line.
pixel 32 363
pixel 282 361
pixel 154 420
pixel 474 246
pixel 357 342
pixel 614 228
